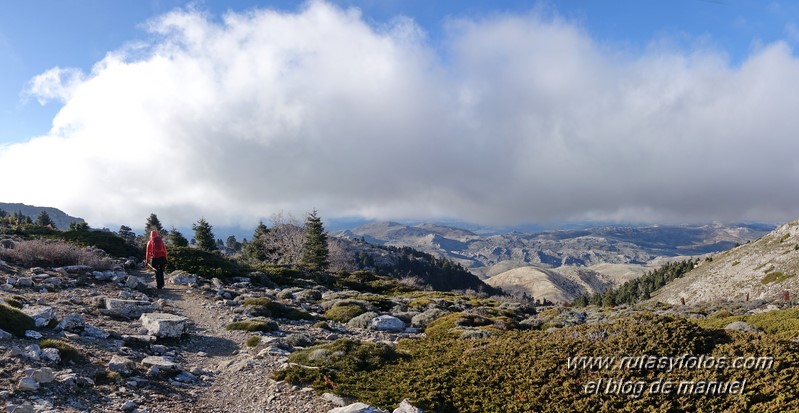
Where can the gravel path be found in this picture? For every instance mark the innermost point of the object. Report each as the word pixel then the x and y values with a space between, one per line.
pixel 241 382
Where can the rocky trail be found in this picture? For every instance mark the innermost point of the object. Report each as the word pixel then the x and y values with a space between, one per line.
pixel 177 357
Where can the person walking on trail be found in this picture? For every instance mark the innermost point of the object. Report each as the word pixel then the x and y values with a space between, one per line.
pixel 156 250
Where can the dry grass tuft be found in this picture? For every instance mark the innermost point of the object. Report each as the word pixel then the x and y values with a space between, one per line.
pixel 54 253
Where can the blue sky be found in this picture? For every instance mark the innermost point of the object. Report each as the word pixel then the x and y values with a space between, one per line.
pixel 501 112
pixel 37 35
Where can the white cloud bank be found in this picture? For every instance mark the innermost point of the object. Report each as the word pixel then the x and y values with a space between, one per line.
pixel 512 119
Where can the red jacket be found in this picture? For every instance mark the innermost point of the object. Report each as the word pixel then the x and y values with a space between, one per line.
pixel 155 247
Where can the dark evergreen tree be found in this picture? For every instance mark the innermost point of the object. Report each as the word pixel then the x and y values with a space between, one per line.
pixel 78 226
pixel 314 248
pixel 233 243
pixel 204 235
pixel 255 250
pixel 153 224
pixel 44 220
pixel 176 238
pixel 127 234
pixel 21 219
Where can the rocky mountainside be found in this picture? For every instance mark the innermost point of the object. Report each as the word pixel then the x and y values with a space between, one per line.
pixel 60 218
pixel 618 245
pixel 79 338
pixel 762 269
pixel 560 265
pixel 104 340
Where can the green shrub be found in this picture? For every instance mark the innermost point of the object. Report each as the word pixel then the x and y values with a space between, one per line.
pixel 775 277
pixel 265 307
pixel 720 314
pixel 67 352
pixel 108 377
pixel 14 321
pixel 253 341
pixel 322 325
pixel 13 302
pixel 280 275
pixel 785 237
pixel 254 325
pixel 527 371
pixel 203 263
pixel 344 312
pixel 336 361
pixel 107 241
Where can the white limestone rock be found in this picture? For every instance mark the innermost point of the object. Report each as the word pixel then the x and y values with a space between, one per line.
pixel 357 408
pixel 164 325
pixel 387 323
pixel 127 308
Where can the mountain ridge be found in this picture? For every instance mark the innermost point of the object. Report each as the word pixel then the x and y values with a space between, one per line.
pixel 61 219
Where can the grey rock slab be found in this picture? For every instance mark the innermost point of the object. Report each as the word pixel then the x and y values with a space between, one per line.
pixel 73 323
pixel 161 363
pixel 42 314
pixel 5 335
pixel 28 384
pixel 387 323
pixel 20 408
pixel 127 308
pixel 120 364
pixel 24 282
pixel 51 354
pixel 42 375
pixel 164 325
pixel 135 283
pixel 33 334
pixel 92 331
pixel 182 278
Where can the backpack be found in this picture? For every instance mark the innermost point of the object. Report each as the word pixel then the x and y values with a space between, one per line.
pixel 159 249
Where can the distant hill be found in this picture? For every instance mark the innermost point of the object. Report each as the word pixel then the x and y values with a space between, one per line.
pixel 59 217
pixel 560 265
pixel 763 269
pixel 584 247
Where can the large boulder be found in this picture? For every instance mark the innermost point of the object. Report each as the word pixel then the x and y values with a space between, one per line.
pixel 180 277
pixel 72 323
pixel 27 384
pixel 136 283
pixel 40 313
pixel 387 323
pixel 127 308
pixel 42 375
pixel 164 325
pixel 120 364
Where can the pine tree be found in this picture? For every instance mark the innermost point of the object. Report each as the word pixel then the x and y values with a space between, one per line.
pixel 314 249
pixel 203 235
pixel 152 224
pixel 255 250
pixel 176 239
pixel 44 220
pixel 233 243
pixel 127 234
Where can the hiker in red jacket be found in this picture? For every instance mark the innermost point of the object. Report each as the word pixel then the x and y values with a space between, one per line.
pixel 156 250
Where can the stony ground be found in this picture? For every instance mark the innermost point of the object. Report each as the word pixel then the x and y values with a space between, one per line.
pixel 214 370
